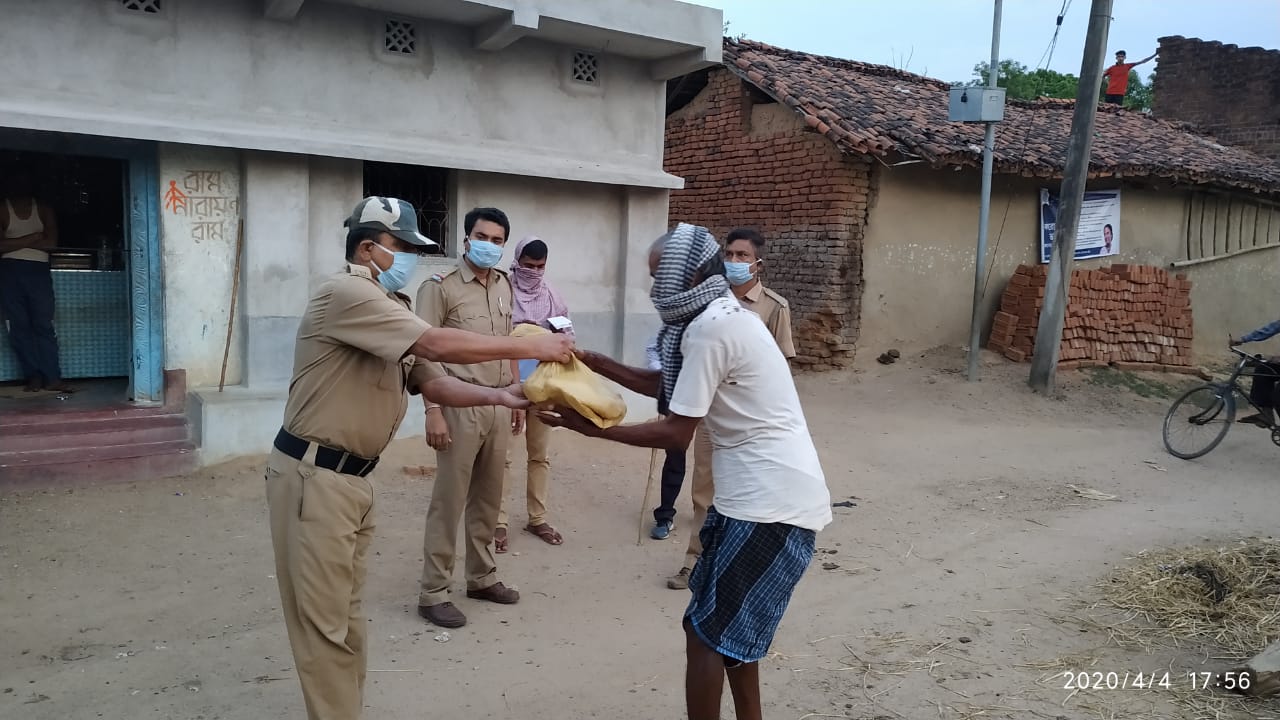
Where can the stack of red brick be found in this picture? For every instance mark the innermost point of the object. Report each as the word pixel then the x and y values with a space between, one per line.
pixel 1136 316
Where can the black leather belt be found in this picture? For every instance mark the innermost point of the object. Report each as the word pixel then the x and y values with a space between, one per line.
pixel 328 458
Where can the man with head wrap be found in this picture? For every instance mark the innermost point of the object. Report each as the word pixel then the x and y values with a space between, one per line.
pixel 721 366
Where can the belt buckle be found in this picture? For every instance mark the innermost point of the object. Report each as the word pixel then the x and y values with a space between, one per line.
pixel 368 467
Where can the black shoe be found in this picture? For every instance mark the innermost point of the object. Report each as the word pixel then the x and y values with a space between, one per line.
pixel 1256 419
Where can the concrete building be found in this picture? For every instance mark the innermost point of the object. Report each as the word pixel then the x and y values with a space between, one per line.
pixel 197 118
pixel 869 196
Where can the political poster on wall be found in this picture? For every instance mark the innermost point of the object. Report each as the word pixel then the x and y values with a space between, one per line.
pixel 1098 233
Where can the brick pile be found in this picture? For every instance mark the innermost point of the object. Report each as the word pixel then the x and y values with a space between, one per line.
pixel 1135 316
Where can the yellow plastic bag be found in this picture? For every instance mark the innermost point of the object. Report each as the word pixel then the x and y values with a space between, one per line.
pixel 573 385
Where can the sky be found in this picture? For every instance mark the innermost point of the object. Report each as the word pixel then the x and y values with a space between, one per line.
pixel 945 38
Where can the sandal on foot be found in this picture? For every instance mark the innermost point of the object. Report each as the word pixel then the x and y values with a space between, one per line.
pixel 546 533
pixel 500 540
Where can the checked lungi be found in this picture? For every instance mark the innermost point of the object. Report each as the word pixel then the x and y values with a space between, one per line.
pixel 743 582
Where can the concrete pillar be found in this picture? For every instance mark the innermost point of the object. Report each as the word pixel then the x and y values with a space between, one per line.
pixel 644 218
pixel 276 264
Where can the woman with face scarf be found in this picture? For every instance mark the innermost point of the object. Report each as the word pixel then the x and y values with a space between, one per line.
pixel 534 301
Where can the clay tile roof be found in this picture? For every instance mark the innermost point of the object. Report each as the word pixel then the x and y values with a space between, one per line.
pixel 889 113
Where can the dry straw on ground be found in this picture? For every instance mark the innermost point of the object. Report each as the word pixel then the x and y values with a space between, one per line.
pixel 1225 601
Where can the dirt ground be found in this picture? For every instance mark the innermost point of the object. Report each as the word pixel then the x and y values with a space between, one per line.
pixel 948 591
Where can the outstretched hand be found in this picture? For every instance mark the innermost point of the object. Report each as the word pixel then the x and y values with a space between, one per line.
pixel 513 397
pixel 556 347
pixel 567 418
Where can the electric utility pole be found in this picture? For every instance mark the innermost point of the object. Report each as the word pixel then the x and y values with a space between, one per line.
pixel 984 207
pixel 1044 360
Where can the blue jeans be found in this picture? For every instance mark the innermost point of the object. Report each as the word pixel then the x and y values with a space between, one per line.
pixel 26 300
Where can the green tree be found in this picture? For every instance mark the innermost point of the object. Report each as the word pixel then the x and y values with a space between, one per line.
pixel 1138 96
pixel 1021 83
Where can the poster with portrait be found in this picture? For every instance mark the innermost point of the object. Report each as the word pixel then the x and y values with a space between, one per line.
pixel 1098 234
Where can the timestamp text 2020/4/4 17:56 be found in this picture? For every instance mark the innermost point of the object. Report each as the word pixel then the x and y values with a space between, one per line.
pixel 1082 681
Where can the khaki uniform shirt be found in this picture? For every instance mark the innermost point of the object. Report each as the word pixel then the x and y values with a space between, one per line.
pixel 351 365
pixel 457 299
pixel 776 314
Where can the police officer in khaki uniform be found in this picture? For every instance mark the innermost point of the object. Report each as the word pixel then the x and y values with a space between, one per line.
pixel 359 347
pixel 470 443
pixel 743 256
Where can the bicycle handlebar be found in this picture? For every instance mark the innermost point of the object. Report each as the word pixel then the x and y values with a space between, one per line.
pixel 1244 355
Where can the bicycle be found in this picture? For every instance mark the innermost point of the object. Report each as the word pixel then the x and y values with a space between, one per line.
pixel 1212 408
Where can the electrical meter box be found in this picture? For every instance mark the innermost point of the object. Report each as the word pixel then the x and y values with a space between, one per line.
pixel 976 104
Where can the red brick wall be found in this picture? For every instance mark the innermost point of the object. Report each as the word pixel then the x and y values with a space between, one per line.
pixel 795 187
pixel 1230 91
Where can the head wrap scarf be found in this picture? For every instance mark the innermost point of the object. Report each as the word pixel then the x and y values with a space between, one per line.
pixel 684 254
pixel 534 299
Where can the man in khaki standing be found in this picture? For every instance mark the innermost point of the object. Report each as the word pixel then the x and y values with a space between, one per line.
pixel 470 443
pixel 743 259
pixel 359 348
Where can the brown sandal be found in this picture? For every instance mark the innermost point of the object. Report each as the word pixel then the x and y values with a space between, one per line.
pixel 546 533
pixel 500 540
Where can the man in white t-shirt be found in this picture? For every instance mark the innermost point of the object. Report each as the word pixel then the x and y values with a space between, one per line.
pixel 721 366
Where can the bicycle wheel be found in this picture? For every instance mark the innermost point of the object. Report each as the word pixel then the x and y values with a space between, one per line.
pixel 1198 420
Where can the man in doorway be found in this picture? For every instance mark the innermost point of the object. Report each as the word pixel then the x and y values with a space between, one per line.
pixel 1262 390
pixel 535 303
pixel 359 348
pixel 721 367
pixel 470 443
pixel 28 230
pixel 1117 77
pixel 744 257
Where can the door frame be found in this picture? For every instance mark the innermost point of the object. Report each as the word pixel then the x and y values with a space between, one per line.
pixel 144 262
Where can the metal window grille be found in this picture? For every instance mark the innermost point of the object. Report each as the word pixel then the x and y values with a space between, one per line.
pixel 150 7
pixel 425 188
pixel 400 37
pixel 586 67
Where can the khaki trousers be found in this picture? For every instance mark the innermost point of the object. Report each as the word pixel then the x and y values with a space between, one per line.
pixel 468 487
pixel 537 442
pixel 321 528
pixel 702 491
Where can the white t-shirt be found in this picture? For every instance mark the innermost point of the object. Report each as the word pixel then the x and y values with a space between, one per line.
pixel 735 378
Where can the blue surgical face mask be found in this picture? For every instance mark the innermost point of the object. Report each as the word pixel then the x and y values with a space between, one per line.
pixel 396 277
pixel 484 254
pixel 738 273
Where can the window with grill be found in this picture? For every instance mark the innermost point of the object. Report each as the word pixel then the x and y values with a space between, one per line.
pixel 150 7
pixel 400 37
pixel 585 68
pixel 425 188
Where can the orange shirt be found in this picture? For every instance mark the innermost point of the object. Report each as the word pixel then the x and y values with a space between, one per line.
pixel 1117 77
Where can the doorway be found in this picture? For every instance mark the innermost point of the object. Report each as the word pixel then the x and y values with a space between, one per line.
pixel 105 268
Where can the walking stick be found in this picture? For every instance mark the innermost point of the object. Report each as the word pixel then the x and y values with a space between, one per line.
pixel 231 317
pixel 648 489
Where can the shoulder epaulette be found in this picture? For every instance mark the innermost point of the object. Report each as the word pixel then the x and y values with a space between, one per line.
pixel 440 276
